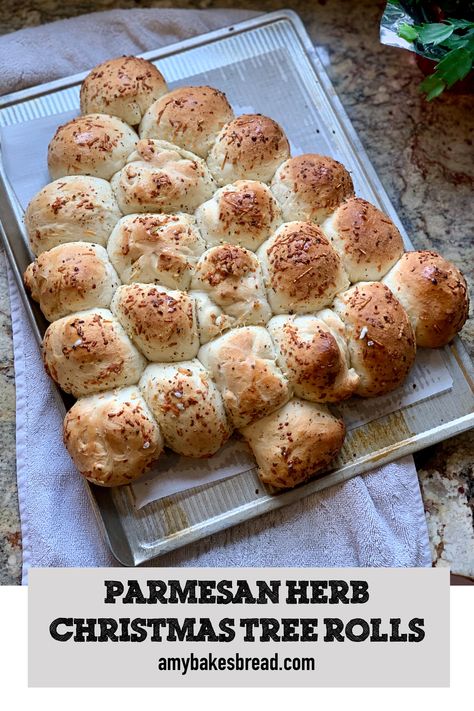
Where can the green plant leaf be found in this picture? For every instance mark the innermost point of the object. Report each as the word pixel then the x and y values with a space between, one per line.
pixel 456 41
pixel 435 91
pixel 461 24
pixel 432 86
pixel 407 32
pixel 434 32
pixel 455 66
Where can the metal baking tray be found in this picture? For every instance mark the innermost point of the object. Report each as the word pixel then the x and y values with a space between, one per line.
pixel 267 63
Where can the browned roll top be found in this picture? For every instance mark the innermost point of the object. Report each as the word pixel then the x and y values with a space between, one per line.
pixel 112 437
pixel 96 144
pixel 434 294
pixel 294 443
pixel 251 146
pixel 311 186
pixel 303 271
pixel 123 87
pixel 367 240
pixel 161 322
pixel 190 117
pixel 380 337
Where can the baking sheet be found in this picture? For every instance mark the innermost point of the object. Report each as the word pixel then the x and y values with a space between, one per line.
pixel 268 63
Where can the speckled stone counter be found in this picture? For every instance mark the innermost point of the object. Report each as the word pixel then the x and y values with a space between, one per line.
pixel 423 154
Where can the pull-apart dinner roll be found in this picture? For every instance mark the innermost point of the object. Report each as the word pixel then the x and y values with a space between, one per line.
pixel 250 147
pixel 302 270
pixel 187 406
pixel 212 321
pixel 242 362
pixel 379 335
pixel 190 117
pixel 89 351
pixel 243 213
pixel 434 294
pixel 160 249
pixel 123 87
pixel 367 240
pixel 77 208
pixel 160 177
pixel 95 144
pixel 71 277
pixel 112 437
pixel 161 322
pixel 313 357
pixel 294 443
pixel 233 279
pixel 310 187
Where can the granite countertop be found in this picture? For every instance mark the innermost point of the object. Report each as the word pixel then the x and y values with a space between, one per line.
pixel 423 155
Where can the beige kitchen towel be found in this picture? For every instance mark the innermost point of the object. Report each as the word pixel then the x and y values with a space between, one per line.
pixel 373 520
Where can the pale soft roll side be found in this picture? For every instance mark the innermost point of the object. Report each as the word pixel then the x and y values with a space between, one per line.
pixel 243 364
pixel 188 407
pixel 379 335
pixel 190 117
pixel 302 270
pixel 434 294
pixel 212 321
pixel 233 279
pixel 124 87
pixel 160 177
pixel 112 437
pixel 250 147
pixel 367 240
pixel 161 249
pixel 313 357
pixel 161 322
pixel 310 187
pixel 89 352
pixel 95 144
pixel 294 443
pixel 244 213
pixel 71 277
pixel 76 208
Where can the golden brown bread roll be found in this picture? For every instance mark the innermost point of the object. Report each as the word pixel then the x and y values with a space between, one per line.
pixel 243 213
pixel 89 351
pixel 160 177
pixel 95 144
pixel 250 147
pixel 434 294
pixel 188 407
pixel 313 357
pixel 161 322
pixel 71 277
pixel 123 87
pixel 232 277
pixel 243 364
pixel 310 187
pixel 379 335
pixel 189 117
pixel 367 240
pixel 77 208
pixel 112 437
pixel 161 249
pixel 294 443
pixel 302 270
